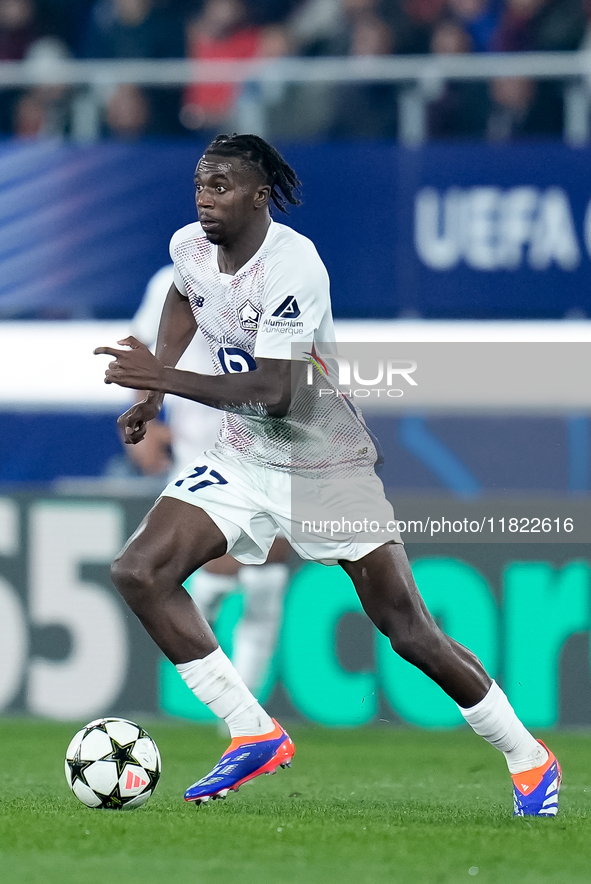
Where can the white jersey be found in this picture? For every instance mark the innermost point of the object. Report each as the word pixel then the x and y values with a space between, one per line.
pixel 279 297
pixel 193 427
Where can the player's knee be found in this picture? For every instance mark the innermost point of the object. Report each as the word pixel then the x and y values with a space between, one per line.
pixel 407 648
pixel 415 639
pixel 133 578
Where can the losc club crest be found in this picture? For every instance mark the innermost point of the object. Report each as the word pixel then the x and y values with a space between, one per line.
pixel 249 316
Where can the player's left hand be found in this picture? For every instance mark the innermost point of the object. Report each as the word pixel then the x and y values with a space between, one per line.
pixel 136 367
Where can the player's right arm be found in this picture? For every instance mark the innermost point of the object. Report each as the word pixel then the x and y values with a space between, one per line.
pixel 175 332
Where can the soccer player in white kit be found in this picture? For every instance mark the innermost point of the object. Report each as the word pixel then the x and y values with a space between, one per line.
pixel 194 428
pixel 254 287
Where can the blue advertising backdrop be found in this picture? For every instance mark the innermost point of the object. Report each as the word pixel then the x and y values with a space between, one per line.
pixel 442 231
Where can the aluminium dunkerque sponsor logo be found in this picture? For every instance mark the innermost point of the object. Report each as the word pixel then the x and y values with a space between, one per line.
pixel 285 318
pixel 380 377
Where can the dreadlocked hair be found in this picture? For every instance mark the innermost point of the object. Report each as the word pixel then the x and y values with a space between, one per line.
pixel 254 150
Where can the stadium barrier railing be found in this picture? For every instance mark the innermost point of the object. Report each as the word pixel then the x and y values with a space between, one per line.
pixel 421 78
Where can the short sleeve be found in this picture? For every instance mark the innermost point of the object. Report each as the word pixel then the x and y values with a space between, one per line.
pixel 177 278
pixel 296 297
pixel 178 281
pixel 144 325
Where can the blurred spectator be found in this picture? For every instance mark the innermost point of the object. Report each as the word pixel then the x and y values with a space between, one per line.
pixel 325 27
pixel 128 114
pixel 138 29
pixel 560 26
pixel 450 38
pixel 315 24
pixel 462 107
pixel 65 19
pixel 367 110
pixel 289 110
pixel 522 108
pixel 29 116
pixel 18 30
pixel 275 41
pixel 479 18
pixel 270 12
pixel 223 31
pixel 132 112
pixel 540 25
pixel 133 29
pixel 43 111
pixel 414 21
pixel 352 16
pixel 292 110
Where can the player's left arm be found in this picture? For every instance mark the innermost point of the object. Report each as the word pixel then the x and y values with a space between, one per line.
pixel 263 391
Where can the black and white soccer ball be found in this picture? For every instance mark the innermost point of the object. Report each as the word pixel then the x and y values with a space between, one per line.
pixel 112 763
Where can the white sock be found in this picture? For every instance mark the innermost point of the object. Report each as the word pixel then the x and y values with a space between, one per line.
pixel 256 635
pixel 208 590
pixel 495 720
pixel 216 683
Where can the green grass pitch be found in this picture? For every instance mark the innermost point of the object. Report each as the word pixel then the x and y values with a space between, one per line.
pixel 358 807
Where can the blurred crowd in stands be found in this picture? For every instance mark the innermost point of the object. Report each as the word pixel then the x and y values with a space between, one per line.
pixel 502 109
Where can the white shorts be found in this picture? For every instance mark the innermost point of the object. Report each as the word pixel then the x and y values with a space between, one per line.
pixel 251 504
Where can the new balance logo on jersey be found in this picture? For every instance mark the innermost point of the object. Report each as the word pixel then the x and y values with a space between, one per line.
pixel 198 300
pixel 288 309
pixel 249 316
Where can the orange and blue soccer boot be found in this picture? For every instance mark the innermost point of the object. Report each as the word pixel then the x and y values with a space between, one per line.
pixel 244 759
pixel 535 791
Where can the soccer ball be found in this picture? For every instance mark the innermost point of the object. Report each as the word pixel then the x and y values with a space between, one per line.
pixel 112 763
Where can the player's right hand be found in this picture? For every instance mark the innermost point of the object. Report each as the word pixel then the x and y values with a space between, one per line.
pixel 134 422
